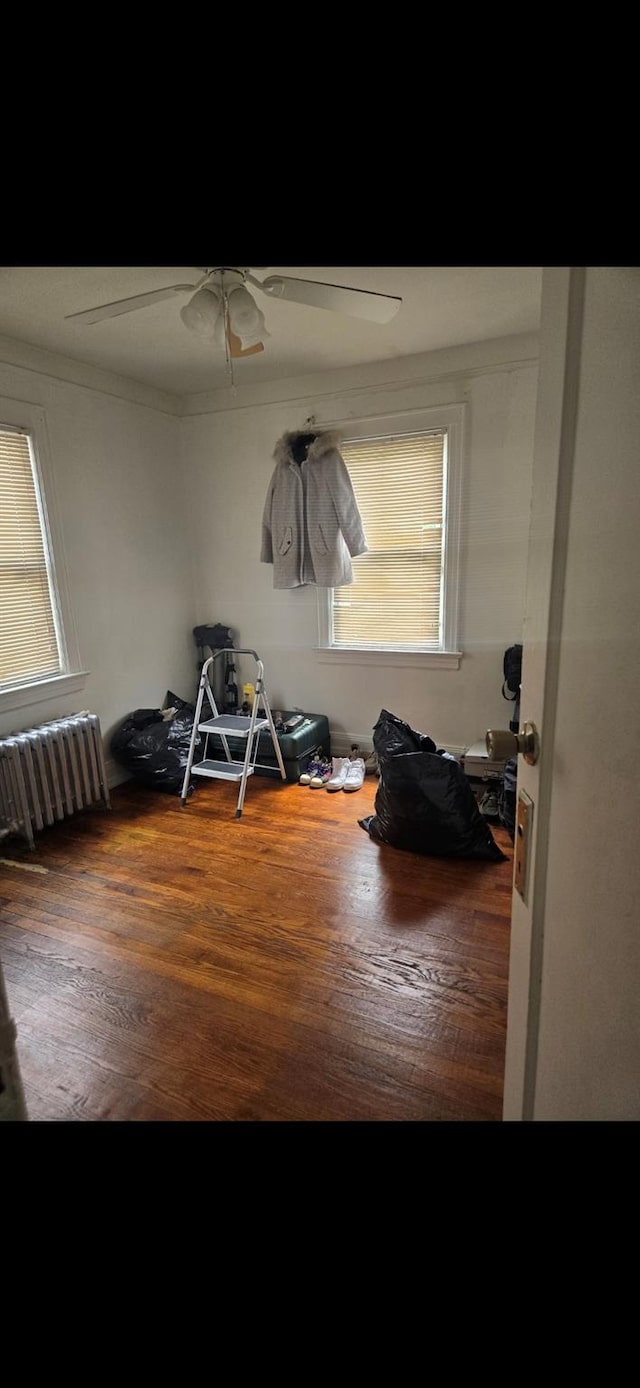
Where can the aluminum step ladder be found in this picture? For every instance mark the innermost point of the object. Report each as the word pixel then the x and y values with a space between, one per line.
pixel 231 725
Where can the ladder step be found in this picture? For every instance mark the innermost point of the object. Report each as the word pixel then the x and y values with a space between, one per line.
pixel 236 726
pixel 220 770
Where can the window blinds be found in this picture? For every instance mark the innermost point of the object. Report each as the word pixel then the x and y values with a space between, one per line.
pixel 396 597
pixel 28 641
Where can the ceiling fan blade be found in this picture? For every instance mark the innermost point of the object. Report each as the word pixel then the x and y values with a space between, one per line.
pixel 359 303
pixel 95 315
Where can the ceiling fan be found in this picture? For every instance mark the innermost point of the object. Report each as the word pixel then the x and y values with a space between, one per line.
pixel 222 311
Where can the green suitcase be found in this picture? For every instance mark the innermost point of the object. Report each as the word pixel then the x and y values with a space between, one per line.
pixel 297 747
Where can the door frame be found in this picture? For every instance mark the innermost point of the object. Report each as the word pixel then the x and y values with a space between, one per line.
pixel 563 290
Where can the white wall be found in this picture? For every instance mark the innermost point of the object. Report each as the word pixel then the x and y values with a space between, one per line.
pixel 122 510
pixel 588 1063
pixel 147 557
pixel 228 462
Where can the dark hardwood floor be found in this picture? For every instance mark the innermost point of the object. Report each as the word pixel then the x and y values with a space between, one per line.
pixel 173 963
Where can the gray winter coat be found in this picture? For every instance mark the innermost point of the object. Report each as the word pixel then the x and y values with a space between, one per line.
pixel 311 523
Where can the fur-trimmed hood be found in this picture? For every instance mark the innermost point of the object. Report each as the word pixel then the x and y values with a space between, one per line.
pixel 323 443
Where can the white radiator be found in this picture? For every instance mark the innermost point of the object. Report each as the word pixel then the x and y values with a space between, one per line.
pixel 50 772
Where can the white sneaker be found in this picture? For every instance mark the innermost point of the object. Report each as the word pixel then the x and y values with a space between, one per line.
pixel 340 768
pixel 354 778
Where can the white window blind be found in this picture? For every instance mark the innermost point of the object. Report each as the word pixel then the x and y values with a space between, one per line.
pixel 396 599
pixel 29 646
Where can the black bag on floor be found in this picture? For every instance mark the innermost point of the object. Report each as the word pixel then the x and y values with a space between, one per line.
pixel 155 749
pixel 424 802
pixel 508 800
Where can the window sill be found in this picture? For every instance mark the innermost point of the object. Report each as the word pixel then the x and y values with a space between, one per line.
pixel 418 660
pixel 22 695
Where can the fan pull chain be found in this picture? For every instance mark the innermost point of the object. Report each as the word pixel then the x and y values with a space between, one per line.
pixel 225 315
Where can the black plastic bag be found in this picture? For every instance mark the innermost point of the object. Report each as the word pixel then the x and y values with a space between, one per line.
pixel 508 798
pixel 155 749
pixel 424 802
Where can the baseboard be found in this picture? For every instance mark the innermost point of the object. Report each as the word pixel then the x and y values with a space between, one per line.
pixel 116 774
pixel 341 744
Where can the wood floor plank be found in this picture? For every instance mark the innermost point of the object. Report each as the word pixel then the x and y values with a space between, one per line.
pixel 177 964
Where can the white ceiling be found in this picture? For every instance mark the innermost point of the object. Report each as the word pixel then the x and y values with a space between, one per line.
pixel 441 307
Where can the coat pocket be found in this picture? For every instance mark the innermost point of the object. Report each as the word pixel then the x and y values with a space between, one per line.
pixel 322 546
pixel 286 540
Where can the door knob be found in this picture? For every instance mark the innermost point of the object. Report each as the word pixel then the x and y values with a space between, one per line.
pixel 501 745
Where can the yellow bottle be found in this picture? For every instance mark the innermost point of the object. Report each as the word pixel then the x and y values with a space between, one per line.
pixel 248 694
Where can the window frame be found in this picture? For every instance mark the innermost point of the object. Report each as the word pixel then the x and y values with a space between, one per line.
pixel 25 417
pixel 450 419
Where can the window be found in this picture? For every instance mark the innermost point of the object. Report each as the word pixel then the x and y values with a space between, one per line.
pixel 404 595
pixel 29 643
pixel 34 654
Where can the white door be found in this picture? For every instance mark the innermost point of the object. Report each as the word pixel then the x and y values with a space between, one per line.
pixel 573 1035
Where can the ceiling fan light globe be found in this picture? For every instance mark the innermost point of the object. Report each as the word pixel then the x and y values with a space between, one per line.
pixel 251 340
pixel 202 313
pixel 246 319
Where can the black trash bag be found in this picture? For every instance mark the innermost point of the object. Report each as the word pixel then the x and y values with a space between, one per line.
pixel 508 798
pixel 424 802
pixel 155 749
